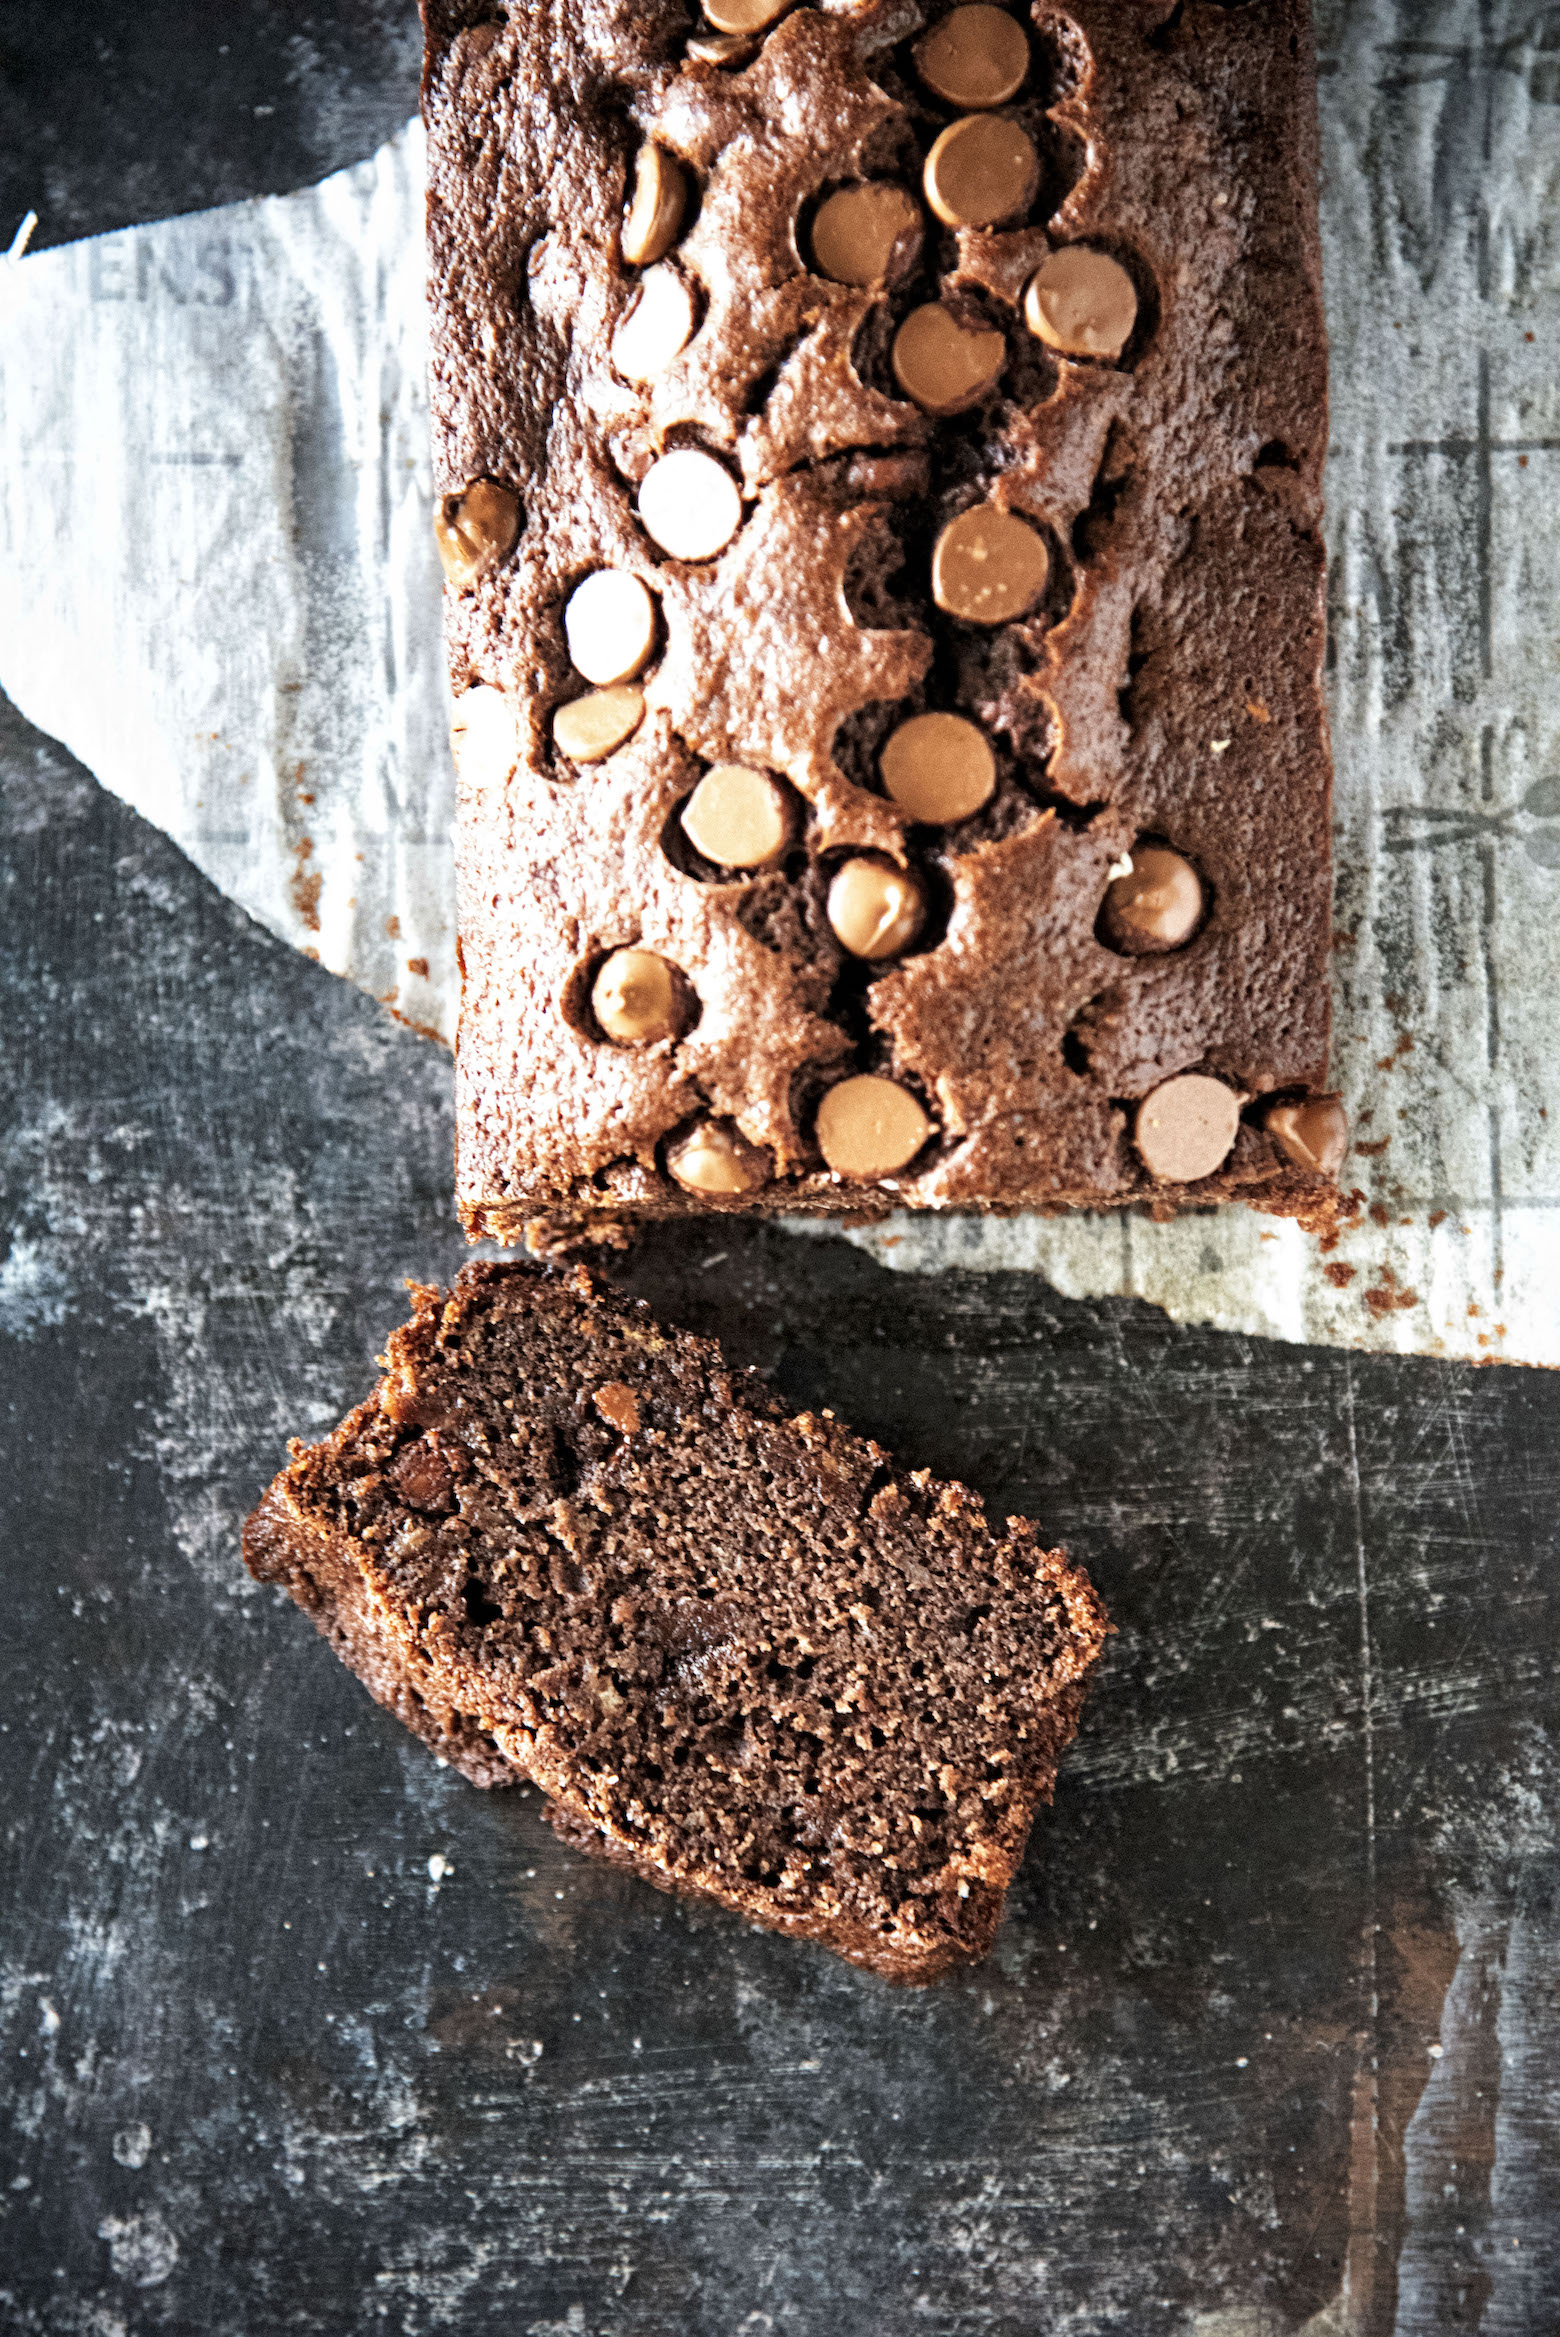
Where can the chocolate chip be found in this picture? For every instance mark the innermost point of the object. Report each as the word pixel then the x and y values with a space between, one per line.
pixel 421 1475
pixel 610 626
pixel 745 16
pixel 869 234
pixel 1081 303
pixel 484 738
pixel 588 729
pixel 870 1127
pixel 713 1157
pixel 875 909
pixel 638 998
pixel 738 818
pixel 721 49
pixel 1313 1134
pixel 689 504
pixel 475 530
pixel 657 328
pixel 1155 905
pixel 989 566
pixel 1185 1129
pixel 981 170
pixel 656 212
pixel 939 768
pixel 977 56
pixel 618 1406
pixel 943 365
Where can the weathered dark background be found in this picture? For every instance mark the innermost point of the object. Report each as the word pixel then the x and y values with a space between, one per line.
pixel 301 2033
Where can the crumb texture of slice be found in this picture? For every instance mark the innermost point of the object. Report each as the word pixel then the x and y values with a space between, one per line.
pixel 741 1652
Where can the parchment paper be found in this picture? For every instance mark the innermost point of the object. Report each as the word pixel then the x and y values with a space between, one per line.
pixel 218 590
pixel 218 585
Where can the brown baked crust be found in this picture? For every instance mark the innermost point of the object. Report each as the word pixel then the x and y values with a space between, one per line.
pixel 287 1543
pixel 1170 687
pixel 742 1653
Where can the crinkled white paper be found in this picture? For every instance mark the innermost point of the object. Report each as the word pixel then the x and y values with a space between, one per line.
pixel 218 585
pixel 218 590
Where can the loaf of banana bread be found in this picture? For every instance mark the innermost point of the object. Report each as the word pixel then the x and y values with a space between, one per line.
pixel 879 449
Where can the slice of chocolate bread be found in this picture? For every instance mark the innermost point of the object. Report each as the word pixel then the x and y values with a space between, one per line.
pixel 742 1652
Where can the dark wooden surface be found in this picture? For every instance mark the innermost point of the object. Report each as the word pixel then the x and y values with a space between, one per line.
pixel 1272 2032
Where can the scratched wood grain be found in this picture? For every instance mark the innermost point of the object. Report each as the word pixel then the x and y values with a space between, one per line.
pixel 300 2033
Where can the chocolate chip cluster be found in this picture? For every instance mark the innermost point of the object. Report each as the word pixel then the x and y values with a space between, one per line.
pixel 989 566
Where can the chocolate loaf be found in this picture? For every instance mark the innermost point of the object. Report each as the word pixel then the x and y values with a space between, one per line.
pixel 880 454
pixel 743 1654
